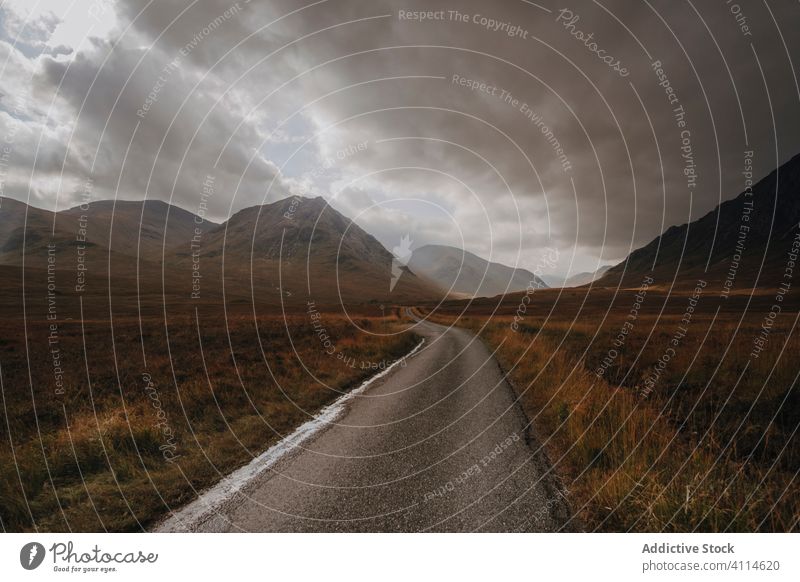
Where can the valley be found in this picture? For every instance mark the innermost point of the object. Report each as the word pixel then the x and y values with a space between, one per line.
pixel 660 395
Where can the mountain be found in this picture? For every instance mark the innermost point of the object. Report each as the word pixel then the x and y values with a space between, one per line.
pixel 134 227
pixel 729 243
pixel 22 226
pixel 553 280
pixel 129 228
pixel 292 250
pixel 303 247
pixel 464 274
pixel 577 280
pixel 296 229
pixel 587 277
pixel 29 235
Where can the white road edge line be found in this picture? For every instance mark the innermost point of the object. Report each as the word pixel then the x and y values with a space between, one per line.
pixel 207 504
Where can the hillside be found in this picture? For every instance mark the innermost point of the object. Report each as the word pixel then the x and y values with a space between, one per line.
pixel 134 227
pixel 306 249
pixel 728 244
pixel 586 277
pixel 464 274
pixel 292 250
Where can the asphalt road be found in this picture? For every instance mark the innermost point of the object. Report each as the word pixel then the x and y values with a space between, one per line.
pixel 436 445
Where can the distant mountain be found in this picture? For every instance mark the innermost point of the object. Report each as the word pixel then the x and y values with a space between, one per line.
pixel 291 250
pixel 22 225
pixel 307 249
pixel 729 243
pixel 553 280
pixel 29 235
pixel 464 274
pixel 296 229
pixel 587 277
pixel 134 227
pixel 131 228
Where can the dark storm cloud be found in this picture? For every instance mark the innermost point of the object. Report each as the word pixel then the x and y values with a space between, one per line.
pixel 558 147
pixel 629 177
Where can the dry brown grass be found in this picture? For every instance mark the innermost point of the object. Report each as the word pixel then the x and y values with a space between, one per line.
pixel 712 448
pixel 94 458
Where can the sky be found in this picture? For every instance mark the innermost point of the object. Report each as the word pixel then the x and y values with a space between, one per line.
pixel 507 128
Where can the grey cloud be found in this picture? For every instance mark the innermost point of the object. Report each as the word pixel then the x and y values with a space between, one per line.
pixel 354 82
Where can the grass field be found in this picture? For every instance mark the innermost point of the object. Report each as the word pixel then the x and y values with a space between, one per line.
pixel 143 413
pixel 109 422
pixel 705 440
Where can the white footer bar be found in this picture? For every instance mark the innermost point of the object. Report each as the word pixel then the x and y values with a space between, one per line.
pixel 372 557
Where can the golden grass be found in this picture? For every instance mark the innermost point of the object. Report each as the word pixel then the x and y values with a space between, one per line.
pixel 712 448
pixel 116 454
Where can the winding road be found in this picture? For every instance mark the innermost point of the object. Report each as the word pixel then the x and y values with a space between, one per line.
pixel 437 444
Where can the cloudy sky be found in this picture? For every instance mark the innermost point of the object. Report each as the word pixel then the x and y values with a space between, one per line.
pixel 504 127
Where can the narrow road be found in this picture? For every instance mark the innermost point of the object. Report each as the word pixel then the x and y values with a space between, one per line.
pixel 436 445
